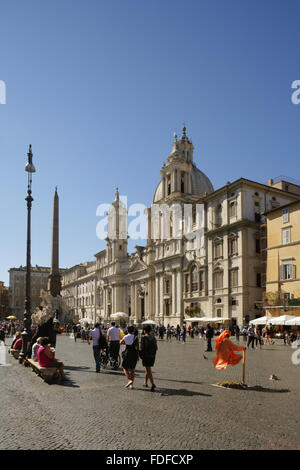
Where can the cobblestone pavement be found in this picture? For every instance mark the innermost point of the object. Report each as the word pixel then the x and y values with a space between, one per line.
pixel 95 411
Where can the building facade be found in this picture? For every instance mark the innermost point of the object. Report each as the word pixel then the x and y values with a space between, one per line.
pixel 4 305
pixel 17 288
pixel 204 250
pixel 283 260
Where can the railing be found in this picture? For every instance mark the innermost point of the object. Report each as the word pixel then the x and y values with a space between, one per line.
pixel 286 179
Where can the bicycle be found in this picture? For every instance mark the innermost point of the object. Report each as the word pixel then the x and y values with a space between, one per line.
pixel 105 360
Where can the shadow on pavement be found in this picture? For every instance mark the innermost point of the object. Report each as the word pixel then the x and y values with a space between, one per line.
pixel 258 388
pixel 112 372
pixel 166 392
pixel 180 381
pixel 76 367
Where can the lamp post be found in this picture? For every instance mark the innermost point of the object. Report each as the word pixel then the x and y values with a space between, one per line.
pixel 26 335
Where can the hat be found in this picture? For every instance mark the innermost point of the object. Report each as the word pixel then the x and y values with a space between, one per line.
pixel 221 338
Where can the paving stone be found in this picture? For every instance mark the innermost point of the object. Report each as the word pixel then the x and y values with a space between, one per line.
pixel 95 411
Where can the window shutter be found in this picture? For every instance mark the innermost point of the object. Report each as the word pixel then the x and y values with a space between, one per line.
pixel 281 272
pixel 285 215
pixel 294 271
pixel 286 236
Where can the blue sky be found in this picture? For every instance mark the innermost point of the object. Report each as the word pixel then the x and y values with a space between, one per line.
pixel 99 87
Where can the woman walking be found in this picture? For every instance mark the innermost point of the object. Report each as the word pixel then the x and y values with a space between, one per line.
pixel 130 355
pixel 148 353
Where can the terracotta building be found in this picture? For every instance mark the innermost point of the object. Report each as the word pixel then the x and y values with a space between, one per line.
pixel 283 260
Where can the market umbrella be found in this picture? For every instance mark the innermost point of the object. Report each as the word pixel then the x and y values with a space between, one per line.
pixel 293 321
pixel 11 317
pixel 119 315
pixel 282 319
pixel 84 320
pixel 262 320
pixel 194 319
pixel 218 319
pixel 149 322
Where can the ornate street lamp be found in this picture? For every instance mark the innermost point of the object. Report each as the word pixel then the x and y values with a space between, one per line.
pixel 26 335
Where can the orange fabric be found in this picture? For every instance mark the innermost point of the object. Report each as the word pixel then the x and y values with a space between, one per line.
pixel 221 338
pixel 225 354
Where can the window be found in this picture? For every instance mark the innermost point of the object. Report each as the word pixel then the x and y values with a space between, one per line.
pixel 233 301
pixel 218 280
pixel 218 249
pixel 257 245
pixel 202 285
pixel 218 215
pixel 232 209
pixel 286 236
pixel 194 215
pixel 169 185
pixel 286 271
pixel 219 312
pixel 233 246
pixel 233 278
pixel 182 182
pixel 187 284
pixel 167 286
pixel 194 278
pixel 285 215
pixel 257 217
pixel 258 280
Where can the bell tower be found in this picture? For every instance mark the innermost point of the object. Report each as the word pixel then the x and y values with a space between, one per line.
pixel 117 230
pixel 176 174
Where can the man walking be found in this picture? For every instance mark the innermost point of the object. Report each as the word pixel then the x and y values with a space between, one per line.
pixel 237 333
pixel 113 337
pixel 95 336
pixel 209 335
pixel 251 336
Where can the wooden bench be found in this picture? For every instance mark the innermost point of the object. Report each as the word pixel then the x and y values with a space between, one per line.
pixel 47 373
pixel 15 353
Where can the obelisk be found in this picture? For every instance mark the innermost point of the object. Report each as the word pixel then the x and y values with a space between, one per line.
pixel 54 280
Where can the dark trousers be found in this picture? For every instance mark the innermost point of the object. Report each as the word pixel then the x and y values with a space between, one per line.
pixel 209 348
pixel 96 352
pixel 114 348
pixel 251 341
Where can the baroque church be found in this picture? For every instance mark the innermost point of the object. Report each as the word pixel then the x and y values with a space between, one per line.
pixel 210 263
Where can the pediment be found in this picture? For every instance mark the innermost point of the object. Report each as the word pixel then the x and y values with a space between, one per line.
pixel 137 265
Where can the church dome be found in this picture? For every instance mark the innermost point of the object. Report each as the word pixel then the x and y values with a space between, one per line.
pixel 193 183
pixel 199 181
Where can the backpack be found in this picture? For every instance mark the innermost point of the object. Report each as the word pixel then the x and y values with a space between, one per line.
pixel 102 341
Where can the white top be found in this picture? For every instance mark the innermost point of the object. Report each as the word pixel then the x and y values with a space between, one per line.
pixel 114 333
pixel 35 348
pixel 95 335
pixel 129 339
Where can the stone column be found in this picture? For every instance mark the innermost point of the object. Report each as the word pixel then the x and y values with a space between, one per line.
pixel 179 294
pixel 132 300
pixel 161 297
pixel 54 283
pixel 157 294
pixel 174 293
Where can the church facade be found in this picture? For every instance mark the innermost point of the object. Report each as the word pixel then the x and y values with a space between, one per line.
pixel 204 254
